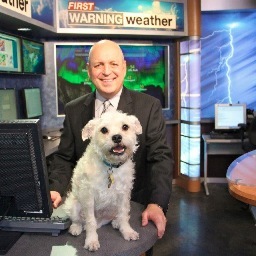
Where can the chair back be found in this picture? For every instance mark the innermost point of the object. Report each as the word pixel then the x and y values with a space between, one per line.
pixel 252 131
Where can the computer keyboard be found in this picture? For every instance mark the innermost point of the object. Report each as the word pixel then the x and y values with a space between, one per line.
pixel 52 225
pixel 225 136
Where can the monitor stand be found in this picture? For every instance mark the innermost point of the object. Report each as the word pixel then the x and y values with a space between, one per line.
pixel 7 240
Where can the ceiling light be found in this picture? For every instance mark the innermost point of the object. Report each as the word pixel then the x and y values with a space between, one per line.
pixel 24 29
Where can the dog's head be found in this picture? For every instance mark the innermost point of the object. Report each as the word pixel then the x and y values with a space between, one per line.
pixel 113 136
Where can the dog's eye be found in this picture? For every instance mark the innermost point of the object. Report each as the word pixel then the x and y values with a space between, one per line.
pixel 125 127
pixel 104 130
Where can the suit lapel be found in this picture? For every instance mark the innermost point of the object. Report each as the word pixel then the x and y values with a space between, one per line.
pixel 125 102
pixel 88 108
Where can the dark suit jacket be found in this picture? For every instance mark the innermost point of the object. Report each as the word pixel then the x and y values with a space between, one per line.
pixel 153 159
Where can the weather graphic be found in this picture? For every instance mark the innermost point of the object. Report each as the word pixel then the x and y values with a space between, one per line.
pixel 42 10
pixel 33 57
pixel 147 71
pixel 228 60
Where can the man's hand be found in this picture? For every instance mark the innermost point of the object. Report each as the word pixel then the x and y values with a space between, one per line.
pixel 56 198
pixel 154 213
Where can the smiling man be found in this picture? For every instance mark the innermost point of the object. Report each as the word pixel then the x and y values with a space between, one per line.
pixel 153 159
pixel 107 68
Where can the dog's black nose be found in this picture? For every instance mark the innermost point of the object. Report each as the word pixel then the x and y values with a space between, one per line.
pixel 117 138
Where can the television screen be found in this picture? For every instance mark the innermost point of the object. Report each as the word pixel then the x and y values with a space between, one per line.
pixel 24 188
pixel 10 53
pixel 33 102
pixel 228 116
pixel 147 71
pixel 33 57
pixel 8 104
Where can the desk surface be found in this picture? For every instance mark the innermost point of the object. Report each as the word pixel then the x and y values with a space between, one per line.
pixel 241 177
pixel 242 170
pixel 51 144
pixel 111 241
pixel 207 138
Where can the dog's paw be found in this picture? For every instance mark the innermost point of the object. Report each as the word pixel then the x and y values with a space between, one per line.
pixel 75 229
pixel 115 224
pixel 130 235
pixel 91 245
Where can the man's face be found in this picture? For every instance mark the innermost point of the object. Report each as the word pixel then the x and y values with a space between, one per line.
pixel 107 68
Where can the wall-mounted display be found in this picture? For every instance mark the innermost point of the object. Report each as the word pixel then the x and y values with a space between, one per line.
pixel 10 53
pixel 32 102
pixel 8 104
pixel 32 57
pixel 147 71
pixel 21 55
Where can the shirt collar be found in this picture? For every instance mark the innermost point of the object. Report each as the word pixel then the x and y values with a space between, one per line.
pixel 114 101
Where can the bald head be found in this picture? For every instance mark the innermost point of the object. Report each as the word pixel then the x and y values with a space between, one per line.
pixel 105 44
pixel 106 67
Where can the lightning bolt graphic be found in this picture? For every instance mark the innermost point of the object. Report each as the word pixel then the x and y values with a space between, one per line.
pixel 225 52
pixel 184 81
pixel 190 139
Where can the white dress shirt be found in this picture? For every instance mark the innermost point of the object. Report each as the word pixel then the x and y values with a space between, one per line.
pixel 100 100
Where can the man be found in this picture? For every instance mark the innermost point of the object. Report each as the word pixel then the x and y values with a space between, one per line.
pixel 153 159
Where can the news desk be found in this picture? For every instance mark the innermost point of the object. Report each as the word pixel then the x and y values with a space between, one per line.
pixel 241 176
pixel 111 241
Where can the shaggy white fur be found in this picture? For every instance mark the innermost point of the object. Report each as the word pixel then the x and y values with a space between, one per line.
pixel 103 178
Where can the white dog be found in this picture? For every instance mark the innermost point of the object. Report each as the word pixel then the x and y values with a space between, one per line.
pixel 103 178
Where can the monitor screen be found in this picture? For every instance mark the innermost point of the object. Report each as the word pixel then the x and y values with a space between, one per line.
pixel 24 190
pixel 8 104
pixel 228 116
pixel 147 71
pixel 33 102
pixel 33 57
pixel 10 53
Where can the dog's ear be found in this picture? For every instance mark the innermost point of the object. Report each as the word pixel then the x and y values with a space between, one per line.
pixel 88 130
pixel 137 125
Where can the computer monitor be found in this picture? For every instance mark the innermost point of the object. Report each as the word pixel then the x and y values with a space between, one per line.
pixel 8 104
pixel 24 189
pixel 33 102
pixel 228 116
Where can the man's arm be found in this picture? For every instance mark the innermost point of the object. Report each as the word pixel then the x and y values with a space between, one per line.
pixel 160 170
pixel 159 159
pixel 63 162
